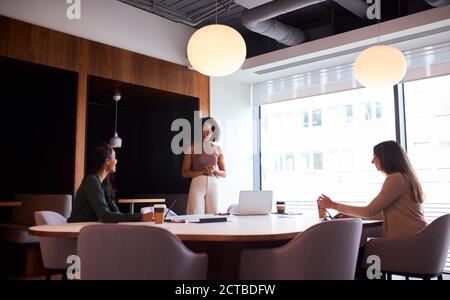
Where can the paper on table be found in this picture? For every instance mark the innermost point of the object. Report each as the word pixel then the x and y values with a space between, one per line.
pixel 191 218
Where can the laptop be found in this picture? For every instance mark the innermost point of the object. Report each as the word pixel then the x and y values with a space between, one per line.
pixel 254 203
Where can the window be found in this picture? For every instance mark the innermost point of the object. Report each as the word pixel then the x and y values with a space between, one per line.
pixel 304 119
pixel 279 163
pixel 303 161
pixel 289 161
pixel 318 161
pixel 427 108
pixel 367 109
pixel 333 156
pixel 379 109
pixel 316 117
pixel 348 113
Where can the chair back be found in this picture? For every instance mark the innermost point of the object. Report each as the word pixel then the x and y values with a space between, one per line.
pixel 233 208
pixel 423 254
pixel 54 250
pixel 136 252
pixel 24 214
pixel 328 250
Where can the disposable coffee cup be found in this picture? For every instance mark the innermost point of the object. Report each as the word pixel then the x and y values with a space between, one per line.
pixel 158 210
pixel 281 207
pixel 322 213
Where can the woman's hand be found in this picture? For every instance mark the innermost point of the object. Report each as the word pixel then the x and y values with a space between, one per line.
pixel 148 217
pixel 209 170
pixel 325 202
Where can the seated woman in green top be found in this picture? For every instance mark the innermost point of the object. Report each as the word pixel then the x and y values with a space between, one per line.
pixel 94 200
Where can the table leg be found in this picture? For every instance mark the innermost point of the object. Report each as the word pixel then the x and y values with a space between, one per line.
pixel 132 208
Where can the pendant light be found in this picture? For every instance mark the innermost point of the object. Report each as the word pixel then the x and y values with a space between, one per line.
pixel 380 65
pixel 116 141
pixel 216 50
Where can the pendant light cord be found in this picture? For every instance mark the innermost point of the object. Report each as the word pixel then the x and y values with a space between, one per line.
pixel 216 12
pixel 116 118
pixel 379 31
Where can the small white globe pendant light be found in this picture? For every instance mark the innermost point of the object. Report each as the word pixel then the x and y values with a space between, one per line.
pixel 116 141
pixel 216 50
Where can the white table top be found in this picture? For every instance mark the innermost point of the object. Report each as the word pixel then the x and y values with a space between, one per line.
pixel 238 228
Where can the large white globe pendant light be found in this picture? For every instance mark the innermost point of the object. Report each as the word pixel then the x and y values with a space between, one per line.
pixel 380 66
pixel 216 50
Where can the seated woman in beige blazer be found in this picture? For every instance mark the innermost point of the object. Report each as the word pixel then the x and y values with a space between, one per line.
pixel 400 199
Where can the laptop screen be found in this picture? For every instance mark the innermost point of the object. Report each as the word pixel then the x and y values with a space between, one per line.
pixel 255 202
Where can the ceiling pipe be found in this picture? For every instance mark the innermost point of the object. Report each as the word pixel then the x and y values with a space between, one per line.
pixel 260 20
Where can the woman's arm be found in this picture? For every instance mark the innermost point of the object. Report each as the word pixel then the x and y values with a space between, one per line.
pixel 221 172
pixel 186 171
pixel 393 188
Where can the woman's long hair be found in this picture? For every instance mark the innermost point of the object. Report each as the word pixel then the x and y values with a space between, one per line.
pixel 96 160
pixel 394 159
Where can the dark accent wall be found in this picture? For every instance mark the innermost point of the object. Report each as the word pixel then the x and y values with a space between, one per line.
pixel 146 164
pixel 37 122
pixel 35 44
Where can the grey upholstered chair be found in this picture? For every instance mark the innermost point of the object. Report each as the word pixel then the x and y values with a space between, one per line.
pixel 136 252
pixel 54 250
pixel 233 208
pixel 422 255
pixel 328 250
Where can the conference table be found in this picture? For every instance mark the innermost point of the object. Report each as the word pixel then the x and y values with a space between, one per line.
pixel 222 241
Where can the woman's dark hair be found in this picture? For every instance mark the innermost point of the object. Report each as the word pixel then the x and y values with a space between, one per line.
pixel 394 159
pixel 96 159
pixel 216 132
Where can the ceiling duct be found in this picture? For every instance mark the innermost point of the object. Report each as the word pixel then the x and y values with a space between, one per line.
pixel 357 7
pixel 260 20
pixel 438 3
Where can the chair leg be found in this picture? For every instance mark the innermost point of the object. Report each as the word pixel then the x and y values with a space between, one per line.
pixel 440 277
pixel 388 276
pixel 48 274
pixel 406 277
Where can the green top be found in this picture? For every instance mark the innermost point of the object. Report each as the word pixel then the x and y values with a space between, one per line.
pixel 91 205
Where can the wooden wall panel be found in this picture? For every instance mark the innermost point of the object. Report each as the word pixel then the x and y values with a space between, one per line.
pixel 122 65
pixel 23 41
pixel 80 132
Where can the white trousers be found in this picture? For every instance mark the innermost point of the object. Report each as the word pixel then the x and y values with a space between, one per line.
pixel 203 195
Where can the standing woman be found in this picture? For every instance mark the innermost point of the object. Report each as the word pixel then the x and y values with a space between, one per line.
pixel 400 199
pixel 94 200
pixel 204 163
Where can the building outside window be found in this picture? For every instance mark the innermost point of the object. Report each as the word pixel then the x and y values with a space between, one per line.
pixel 427 107
pixel 333 155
